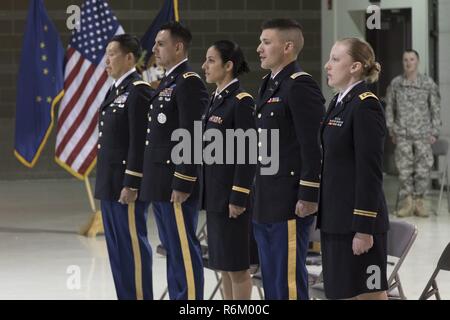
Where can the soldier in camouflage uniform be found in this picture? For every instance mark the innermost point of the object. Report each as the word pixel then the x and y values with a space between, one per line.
pixel 413 119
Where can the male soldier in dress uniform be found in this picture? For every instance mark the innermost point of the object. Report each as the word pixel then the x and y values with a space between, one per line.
pixel 413 118
pixel 122 124
pixel 291 102
pixel 178 102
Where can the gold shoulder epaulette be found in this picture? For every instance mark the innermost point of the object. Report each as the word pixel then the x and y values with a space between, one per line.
pixel 298 74
pixel 190 74
pixel 242 95
pixel 136 83
pixel 366 95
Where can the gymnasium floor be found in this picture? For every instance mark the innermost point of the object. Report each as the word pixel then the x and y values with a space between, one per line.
pixel 40 248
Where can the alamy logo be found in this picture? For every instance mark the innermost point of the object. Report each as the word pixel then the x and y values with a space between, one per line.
pixel 374 280
pixel 228 149
pixel 73 21
pixel 73 281
pixel 374 21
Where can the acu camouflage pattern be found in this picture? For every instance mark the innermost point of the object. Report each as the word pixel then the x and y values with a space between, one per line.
pixel 413 116
pixel 413 107
pixel 414 160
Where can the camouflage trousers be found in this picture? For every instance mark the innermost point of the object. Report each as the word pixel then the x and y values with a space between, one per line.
pixel 414 159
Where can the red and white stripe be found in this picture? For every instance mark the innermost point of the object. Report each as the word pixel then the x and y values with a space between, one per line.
pixel 85 87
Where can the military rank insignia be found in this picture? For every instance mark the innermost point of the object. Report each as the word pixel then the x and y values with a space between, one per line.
pixel 336 122
pixel 274 100
pixel 366 95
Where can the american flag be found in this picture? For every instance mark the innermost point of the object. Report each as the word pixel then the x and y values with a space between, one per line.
pixel 85 85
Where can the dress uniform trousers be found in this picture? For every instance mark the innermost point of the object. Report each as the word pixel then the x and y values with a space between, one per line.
pixel 177 103
pixel 129 250
pixel 177 230
pixel 292 104
pixel 279 243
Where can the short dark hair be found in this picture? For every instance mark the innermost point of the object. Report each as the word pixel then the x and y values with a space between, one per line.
pixel 179 32
pixel 409 50
pixel 230 51
pixel 128 43
pixel 292 30
pixel 281 24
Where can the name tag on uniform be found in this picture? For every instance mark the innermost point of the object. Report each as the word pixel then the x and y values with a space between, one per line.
pixel 215 119
pixel 274 100
pixel 121 99
pixel 336 122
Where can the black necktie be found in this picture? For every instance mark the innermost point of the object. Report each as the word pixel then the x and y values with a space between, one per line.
pixel 209 107
pixel 271 85
pixel 270 88
pixel 110 92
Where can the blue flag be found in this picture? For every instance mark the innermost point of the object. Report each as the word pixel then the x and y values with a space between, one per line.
pixel 169 12
pixel 39 84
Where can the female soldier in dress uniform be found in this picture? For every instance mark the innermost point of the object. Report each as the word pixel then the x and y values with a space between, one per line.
pixel 226 187
pixel 353 216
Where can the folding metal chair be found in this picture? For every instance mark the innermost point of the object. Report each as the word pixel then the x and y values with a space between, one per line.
pixel 401 237
pixel 440 149
pixel 313 258
pixel 202 237
pixel 257 282
pixel 431 289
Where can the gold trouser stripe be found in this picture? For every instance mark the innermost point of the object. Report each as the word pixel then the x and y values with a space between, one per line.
pixel 239 189
pixel 134 173
pixel 136 252
pixel 185 250
pixel 184 177
pixel 292 259
pixel 309 184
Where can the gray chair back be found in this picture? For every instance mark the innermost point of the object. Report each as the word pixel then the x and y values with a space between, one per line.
pixel 431 289
pixel 401 235
pixel 444 260
pixel 440 147
pixel 314 233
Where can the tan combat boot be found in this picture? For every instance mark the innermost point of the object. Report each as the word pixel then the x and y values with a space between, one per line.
pixel 406 207
pixel 419 208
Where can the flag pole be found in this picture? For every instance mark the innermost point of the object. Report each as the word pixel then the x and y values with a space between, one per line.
pixel 89 192
pixel 95 224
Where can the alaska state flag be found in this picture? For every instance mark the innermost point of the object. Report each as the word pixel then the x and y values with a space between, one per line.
pixel 39 84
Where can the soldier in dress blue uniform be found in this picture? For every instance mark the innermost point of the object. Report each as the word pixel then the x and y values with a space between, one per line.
pixel 291 102
pixel 226 186
pixel 122 125
pixel 178 102
pixel 353 216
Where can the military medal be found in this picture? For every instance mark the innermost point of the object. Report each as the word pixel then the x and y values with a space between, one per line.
pixel 122 98
pixel 336 122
